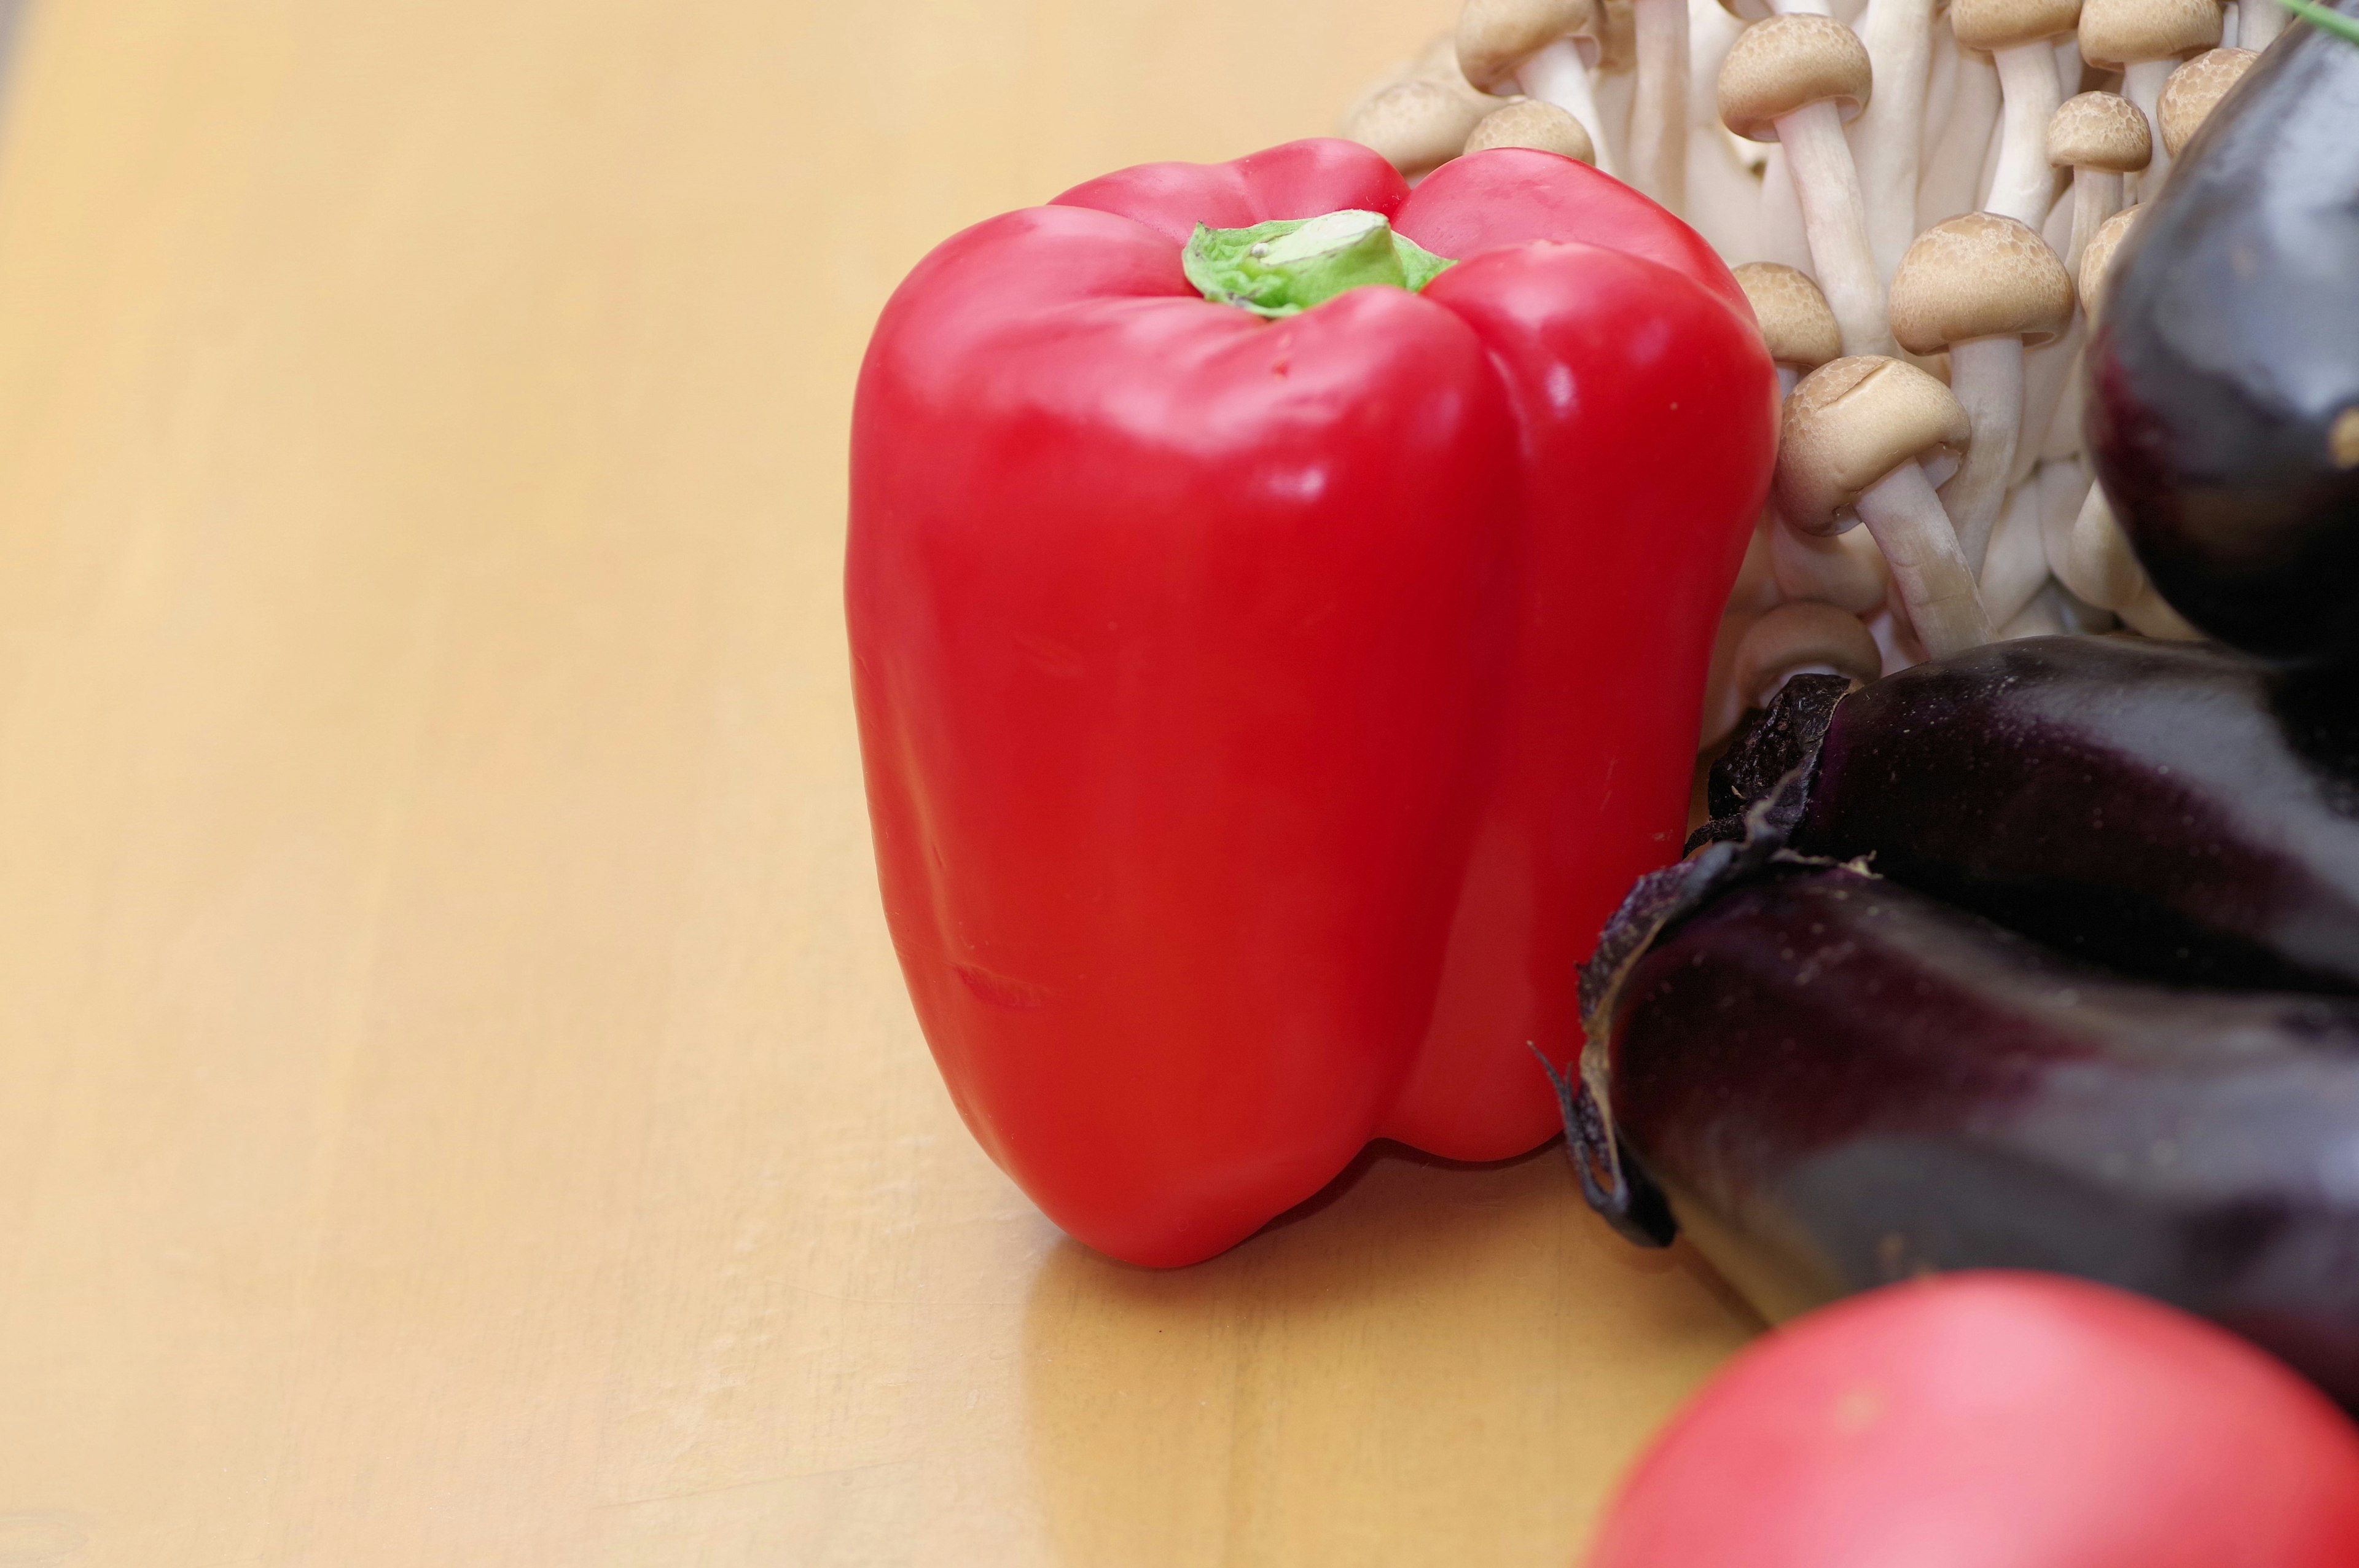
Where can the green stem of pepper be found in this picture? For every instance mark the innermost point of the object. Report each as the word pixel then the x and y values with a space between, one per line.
pixel 1283 268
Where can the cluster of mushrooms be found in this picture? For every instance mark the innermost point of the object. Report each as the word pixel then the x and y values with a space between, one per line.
pixel 1920 200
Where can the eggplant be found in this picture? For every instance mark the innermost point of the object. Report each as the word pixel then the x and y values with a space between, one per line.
pixel 2223 413
pixel 1837 1082
pixel 2169 810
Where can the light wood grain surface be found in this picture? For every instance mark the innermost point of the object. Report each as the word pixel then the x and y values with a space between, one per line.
pixel 457 1105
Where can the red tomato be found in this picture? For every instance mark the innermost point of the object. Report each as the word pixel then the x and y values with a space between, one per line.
pixel 1997 1421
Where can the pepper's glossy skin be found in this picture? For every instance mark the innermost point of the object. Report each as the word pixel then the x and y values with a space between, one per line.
pixel 2225 373
pixel 1261 718
pixel 2166 809
pixel 1840 1082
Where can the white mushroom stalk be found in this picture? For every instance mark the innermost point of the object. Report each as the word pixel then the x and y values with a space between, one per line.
pixel 1982 286
pixel 1951 183
pixel 1658 115
pixel 2095 560
pixel 2017 567
pixel 2258 25
pixel 2017 34
pixel 2145 40
pixel 2101 137
pixel 1542 49
pixel 1856 435
pixel 1794 78
pixel 1887 139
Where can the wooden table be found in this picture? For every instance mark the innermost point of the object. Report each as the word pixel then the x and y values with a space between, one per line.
pixel 457 1105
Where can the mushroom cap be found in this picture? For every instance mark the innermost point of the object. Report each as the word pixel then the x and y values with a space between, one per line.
pixel 1989 25
pixel 1418 125
pixel 2099 257
pixel 1495 36
pixel 1797 635
pixel 2100 131
pixel 1747 10
pixel 1794 320
pixel 2116 33
pixel 1786 63
pixel 2194 89
pixel 1978 276
pixel 1532 123
pixel 1850 422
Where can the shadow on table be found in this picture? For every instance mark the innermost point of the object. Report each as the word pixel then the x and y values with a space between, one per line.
pixel 1429 1361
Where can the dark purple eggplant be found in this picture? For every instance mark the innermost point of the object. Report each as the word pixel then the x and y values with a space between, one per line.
pixel 2169 810
pixel 1838 1082
pixel 2223 414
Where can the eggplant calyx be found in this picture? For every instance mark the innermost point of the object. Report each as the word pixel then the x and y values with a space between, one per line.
pixel 1769 744
pixel 1615 1185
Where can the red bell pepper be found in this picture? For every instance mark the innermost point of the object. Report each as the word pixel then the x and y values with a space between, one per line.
pixel 1261 717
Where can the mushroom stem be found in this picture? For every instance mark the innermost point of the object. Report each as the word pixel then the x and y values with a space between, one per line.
pixel 1889 137
pixel 2142 83
pixel 1930 573
pixel 2096 196
pixel 2025 187
pixel 1835 221
pixel 1780 235
pixel 2017 567
pixel 2150 616
pixel 1658 116
pixel 1953 160
pixel 2096 562
pixel 2048 370
pixel 1554 74
pixel 2257 26
pixel 1987 375
pixel 2063 485
pixel 2043 617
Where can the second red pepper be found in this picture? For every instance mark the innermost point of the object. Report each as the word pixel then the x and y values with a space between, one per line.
pixel 1262 718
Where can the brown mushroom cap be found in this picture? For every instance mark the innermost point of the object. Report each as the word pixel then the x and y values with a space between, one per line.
pixel 2101 131
pixel 1495 36
pixel 1795 321
pixel 1989 25
pixel 1786 63
pixel 1747 10
pixel 1418 124
pixel 2194 89
pixel 2116 33
pixel 1978 276
pixel 1801 635
pixel 1850 422
pixel 2099 257
pixel 1532 123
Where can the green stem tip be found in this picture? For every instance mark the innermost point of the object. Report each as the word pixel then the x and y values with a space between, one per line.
pixel 1283 268
pixel 2317 15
